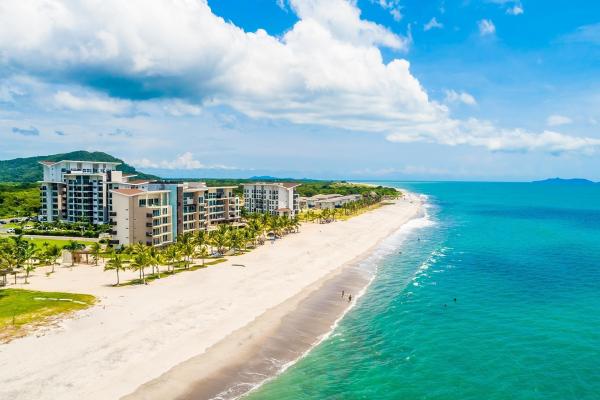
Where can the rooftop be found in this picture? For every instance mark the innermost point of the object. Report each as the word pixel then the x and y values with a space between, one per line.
pixel 128 192
pixel 48 162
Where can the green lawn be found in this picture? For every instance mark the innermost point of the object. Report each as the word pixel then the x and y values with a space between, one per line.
pixel 39 242
pixel 59 242
pixel 22 309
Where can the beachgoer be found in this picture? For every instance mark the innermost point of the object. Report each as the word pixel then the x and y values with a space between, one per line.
pixel 455 299
pixel 343 294
pixel 349 298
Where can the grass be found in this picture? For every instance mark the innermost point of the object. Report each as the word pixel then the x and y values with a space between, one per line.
pixel 39 242
pixel 177 270
pixel 59 242
pixel 22 310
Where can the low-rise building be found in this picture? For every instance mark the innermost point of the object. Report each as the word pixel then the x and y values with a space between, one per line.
pixel 275 198
pixel 323 201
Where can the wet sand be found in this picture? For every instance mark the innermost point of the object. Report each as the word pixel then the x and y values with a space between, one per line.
pixel 265 347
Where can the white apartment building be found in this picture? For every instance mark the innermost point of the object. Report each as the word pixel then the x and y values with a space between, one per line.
pixel 275 198
pixel 76 191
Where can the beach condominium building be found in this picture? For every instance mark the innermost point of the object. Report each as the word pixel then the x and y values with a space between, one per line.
pixel 154 213
pixel 76 191
pixel 275 198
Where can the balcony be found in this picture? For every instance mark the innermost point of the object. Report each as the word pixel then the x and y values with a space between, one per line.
pixel 148 224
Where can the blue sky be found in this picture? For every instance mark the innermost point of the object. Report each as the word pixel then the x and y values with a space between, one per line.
pixel 366 89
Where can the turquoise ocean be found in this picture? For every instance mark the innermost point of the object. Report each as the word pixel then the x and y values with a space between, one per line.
pixel 522 261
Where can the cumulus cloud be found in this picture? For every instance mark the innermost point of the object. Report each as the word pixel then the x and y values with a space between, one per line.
pixel 453 96
pixel 31 131
pixel 65 99
pixel 486 27
pixel 326 70
pixel 433 24
pixel 556 120
pixel 184 161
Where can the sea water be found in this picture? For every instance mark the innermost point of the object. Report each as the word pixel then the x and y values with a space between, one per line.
pixel 496 296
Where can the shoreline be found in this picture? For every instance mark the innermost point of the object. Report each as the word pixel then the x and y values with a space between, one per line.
pixel 137 335
pixel 273 342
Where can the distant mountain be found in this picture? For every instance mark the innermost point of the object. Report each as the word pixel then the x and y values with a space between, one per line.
pixel 29 170
pixel 560 181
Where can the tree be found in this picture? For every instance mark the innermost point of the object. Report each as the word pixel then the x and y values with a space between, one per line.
pixel 53 252
pixel 140 260
pixel 72 247
pixel 220 238
pixel 172 255
pixel 96 249
pixel 29 253
pixel 116 263
pixel 202 253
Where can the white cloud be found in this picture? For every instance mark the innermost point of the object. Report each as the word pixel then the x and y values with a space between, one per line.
pixel 462 97
pixel 432 24
pixel 475 132
pixel 184 161
pixel 486 27
pixel 393 7
pixel 326 70
pixel 65 99
pixel 556 120
pixel 178 108
pixel 517 9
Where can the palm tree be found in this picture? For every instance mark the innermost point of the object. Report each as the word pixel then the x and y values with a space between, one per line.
pixel 155 259
pixel 220 238
pixel 296 223
pixel 116 263
pixel 172 255
pixel 187 249
pixel 96 249
pixel 236 240
pixel 29 253
pixel 202 253
pixel 140 260
pixel 53 252
pixel 72 247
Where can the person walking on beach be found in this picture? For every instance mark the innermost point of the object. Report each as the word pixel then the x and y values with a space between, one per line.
pixel 349 298
pixel 343 292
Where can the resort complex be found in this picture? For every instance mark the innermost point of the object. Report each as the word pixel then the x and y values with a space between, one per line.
pixel 327 201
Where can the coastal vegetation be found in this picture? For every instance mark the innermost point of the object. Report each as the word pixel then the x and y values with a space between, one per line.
pixel 197 247
pixel 61 228
pixel 22 310
pixel 19 199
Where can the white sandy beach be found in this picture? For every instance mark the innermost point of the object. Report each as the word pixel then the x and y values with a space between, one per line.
pixel 137 333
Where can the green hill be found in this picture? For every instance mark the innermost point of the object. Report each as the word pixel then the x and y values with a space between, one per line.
pixel 29 170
